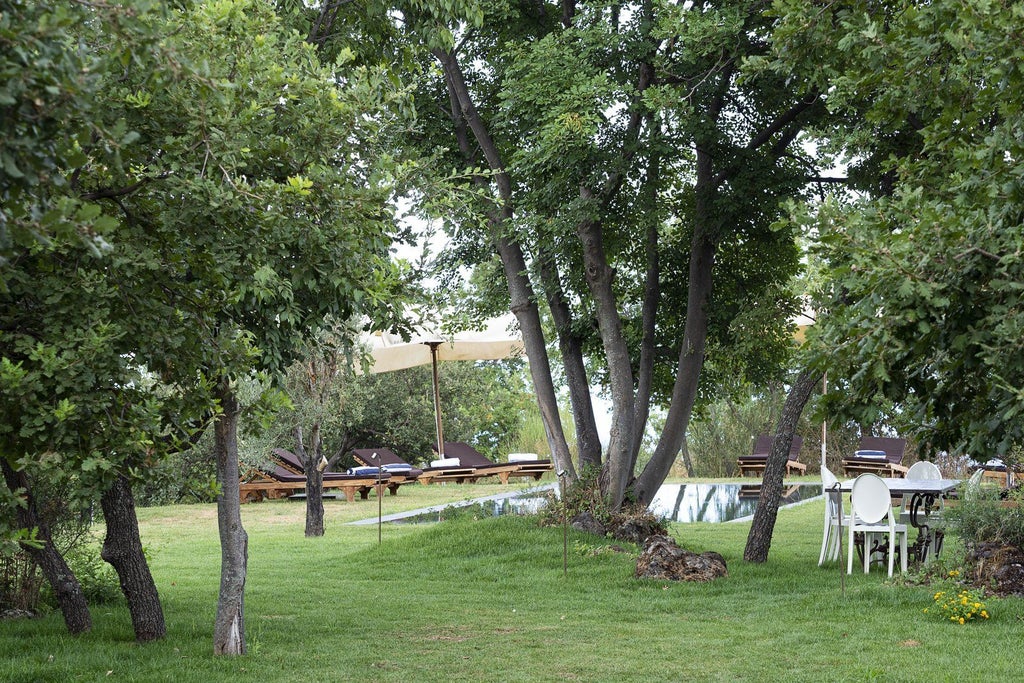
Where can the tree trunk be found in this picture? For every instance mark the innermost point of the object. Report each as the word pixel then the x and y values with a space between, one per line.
pixel 229 625
pixel 599 276
pixel 122 548
pixel 66 588
pixel 691 361
pixel 684 450
pixel 522 299
pixel 588 441
pixel 759 540
pixel 314 480
pixel 649 311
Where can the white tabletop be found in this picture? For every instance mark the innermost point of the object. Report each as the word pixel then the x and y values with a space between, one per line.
pixel 900 485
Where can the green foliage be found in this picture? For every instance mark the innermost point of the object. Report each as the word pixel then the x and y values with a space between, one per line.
pixel 958 605
pixel 182 477
pixel 49 125
pixel 988 517
pixel 925 293
pixel 98 579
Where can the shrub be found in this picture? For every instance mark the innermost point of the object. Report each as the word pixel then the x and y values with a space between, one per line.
pixel 987 518
pixel 957 604
pixel 98 579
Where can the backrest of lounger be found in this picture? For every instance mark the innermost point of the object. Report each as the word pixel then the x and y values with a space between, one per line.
pixel 467 455
pixel 386 456
pixel 288 459
pixel 893 447
pixel 763 446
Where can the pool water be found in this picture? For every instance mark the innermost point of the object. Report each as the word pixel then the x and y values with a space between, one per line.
pixel 720 502
pixel 674 502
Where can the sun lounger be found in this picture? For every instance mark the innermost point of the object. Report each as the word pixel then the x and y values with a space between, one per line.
pixel 522 466
pixel 285 478
pixel 877 455
pixel 754 463
pixel 399 471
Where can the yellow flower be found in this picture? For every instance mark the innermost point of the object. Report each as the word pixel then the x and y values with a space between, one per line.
pixel 984 614
pixel 961 620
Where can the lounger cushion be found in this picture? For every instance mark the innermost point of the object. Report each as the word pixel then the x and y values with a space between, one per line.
pixel 870 455
pixel 446 462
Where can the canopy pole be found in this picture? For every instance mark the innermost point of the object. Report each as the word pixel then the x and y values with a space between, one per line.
pixel 437 399
pixel 824 421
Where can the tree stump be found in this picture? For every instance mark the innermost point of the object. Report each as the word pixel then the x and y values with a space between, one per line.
pixel 661 558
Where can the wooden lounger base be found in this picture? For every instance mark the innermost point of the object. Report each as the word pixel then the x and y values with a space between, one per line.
pixel 273 490
pixel 882 469
pixel 756 469
pixel 526 471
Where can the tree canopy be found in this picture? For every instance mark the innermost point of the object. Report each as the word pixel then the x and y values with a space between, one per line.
pixel 923 305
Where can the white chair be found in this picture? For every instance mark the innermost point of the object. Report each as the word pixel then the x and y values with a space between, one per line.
pixel 833 524
pixel 871 513
pixel 922 469
pixel 972 487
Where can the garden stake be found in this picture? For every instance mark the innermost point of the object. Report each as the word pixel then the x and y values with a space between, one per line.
pixel 380 503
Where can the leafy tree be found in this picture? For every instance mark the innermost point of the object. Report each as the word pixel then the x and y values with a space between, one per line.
pixel 925 303
pixel 49 125
pixel 637 171
pixel 257 211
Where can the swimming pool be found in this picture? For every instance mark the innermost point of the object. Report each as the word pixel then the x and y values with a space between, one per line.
pixel 720 502
pixel 674 502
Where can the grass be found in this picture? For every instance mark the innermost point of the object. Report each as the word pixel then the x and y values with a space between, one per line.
pixel 475 600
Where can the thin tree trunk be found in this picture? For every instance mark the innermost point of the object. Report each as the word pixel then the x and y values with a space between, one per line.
pixel 588 441
pixel 684 451
pixel 122 548
pixel 314 480
pixel 599 275
pixel 691 362
pixel 66 588
pixel 649 311
pixel 229 625
pixel 759 540
pixel 522 299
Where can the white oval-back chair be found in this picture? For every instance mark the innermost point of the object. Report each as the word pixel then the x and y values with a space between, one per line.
pixel 833 524
pixel 871 513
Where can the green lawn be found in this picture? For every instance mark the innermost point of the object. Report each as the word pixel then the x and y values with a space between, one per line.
pixel 486 600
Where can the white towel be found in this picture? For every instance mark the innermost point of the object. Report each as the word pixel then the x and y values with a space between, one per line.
pixel 446 462
pixel 523 457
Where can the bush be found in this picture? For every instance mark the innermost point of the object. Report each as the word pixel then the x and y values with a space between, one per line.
pixel 98 579
pixel 988 518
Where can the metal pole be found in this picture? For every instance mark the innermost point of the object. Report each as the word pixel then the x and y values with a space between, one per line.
pixel 565 526
pixel 824 421
pixel 380 503
pixel 437 399
pixel 839 512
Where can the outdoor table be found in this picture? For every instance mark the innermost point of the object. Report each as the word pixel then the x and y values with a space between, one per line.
pixel 923 495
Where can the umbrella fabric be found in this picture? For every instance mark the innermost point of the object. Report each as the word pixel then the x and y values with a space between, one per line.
pixel 389 352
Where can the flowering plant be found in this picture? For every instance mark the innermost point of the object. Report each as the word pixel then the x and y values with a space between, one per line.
pixel 959 606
